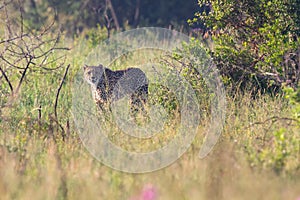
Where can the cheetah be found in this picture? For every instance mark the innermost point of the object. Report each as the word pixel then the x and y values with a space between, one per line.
pixel 108 86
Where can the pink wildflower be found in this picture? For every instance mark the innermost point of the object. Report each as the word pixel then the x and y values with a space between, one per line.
pixel 149 192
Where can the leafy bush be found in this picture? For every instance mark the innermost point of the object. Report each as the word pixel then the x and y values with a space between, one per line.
pixel 255 42
pixel 293 96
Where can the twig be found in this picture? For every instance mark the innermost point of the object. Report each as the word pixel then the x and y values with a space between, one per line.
pixel 53 119
pixel 56 101
pixel 52 49
pixel 7 80
pixel 23 75
pixel 7 21
pixel 11 64
pixel 58 91
pixel 12 39
pixel 273 119
pixel 21 10
pixel 107 23
pixel 53 61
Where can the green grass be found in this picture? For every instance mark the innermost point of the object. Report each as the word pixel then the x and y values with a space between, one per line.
pixel 256 157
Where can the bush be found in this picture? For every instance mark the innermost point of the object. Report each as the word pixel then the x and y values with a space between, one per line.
pixel 256 43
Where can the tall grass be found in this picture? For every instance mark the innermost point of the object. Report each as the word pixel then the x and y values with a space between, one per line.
pixel 257 156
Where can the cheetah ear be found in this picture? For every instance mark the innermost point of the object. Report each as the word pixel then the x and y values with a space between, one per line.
pixel 84 67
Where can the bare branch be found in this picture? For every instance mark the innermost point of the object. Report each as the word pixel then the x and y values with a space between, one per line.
pixel 21 17
pixel 52 49
pixel 7 80
pixel 23 75
pixel 47 28
pixel 7 21
pixel 47 68
pixel 58 91
pixel 5 4
pixel 14 38
pixel 27 49
pixel 9 63
pixel 273 119
pixel 56 101
pixel 113 13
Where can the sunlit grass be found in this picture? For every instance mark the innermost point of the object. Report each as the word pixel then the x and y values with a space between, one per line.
pixel 255 158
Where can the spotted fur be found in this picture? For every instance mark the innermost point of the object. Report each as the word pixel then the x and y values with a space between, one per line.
pixel 108 85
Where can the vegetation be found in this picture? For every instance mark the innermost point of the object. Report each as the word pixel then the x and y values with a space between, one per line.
pixel 76 16
pixel 255 41
pixel 255 46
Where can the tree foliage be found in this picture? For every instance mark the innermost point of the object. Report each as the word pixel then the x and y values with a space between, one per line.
pixel 255 41
pixel 75 16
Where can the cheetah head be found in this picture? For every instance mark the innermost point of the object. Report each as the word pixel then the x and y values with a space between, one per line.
pixel 93 74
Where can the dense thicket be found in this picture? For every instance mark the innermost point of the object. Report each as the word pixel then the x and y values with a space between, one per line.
pixel 255 42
